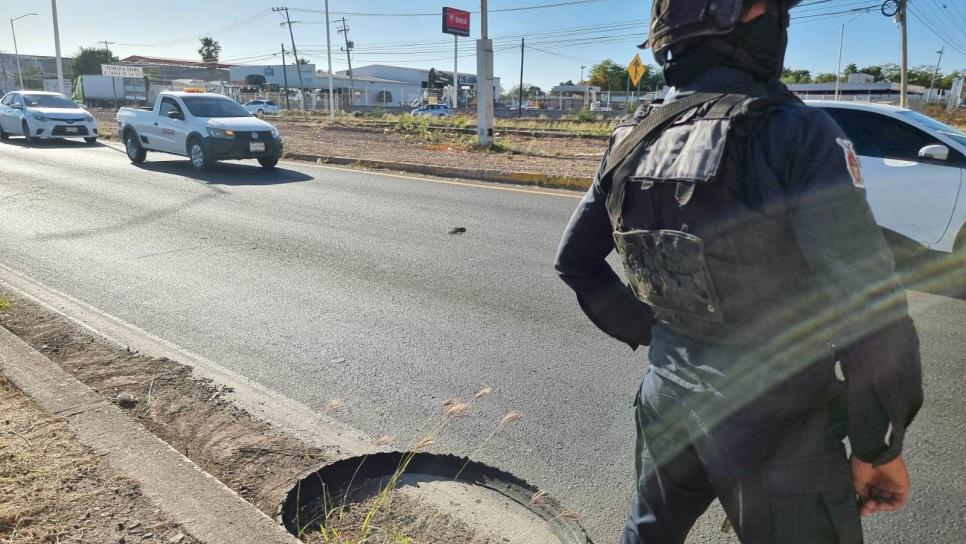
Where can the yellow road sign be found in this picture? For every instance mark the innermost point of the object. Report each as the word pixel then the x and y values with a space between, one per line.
pixel 636 69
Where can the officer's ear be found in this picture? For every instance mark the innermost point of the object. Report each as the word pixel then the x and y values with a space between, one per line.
pixel 754 11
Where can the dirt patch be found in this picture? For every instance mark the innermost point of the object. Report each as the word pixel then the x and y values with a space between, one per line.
pixel 576 157
pixel 54 489
pixel 190 414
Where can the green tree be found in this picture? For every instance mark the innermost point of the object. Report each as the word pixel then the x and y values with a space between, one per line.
pixel 210 50
pixel 88 60
pixel 608 75
pixel 303 61
pixel 827 77
pixel 796 76
pixel 850 69
pixel 530 91
pixel 568 82
pixel 653 78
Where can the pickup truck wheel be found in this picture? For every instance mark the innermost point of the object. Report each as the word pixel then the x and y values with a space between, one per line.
pixel 135 151
pixel 268 162
pixel 198 155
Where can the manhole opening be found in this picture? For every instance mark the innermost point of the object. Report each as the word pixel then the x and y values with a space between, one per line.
pixel 437 498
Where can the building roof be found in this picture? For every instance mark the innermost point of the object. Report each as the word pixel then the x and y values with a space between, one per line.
pixel 875 88
pixel 139 59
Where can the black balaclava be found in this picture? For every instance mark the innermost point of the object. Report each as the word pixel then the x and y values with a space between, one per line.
pixel 756 47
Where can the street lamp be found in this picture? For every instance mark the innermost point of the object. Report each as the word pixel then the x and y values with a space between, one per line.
pixel 15 50
pixel 838 72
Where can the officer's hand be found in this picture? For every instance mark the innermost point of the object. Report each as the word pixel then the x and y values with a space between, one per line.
pixel 884 488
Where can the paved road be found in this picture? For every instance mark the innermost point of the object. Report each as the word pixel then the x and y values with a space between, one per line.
pixel 324 283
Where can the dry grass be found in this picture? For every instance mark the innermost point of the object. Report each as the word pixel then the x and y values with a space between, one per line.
pixel 54 489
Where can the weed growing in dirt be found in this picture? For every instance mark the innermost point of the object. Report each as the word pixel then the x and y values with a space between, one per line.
pixel 373 525
pixel 4 304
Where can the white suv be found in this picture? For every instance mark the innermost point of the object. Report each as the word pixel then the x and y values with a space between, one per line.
pixel 38 115
pixel 261 107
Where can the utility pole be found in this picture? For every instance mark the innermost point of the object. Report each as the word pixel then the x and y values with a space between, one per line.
pixel 328 47
pixel 520 108
pixel 285 78
pixel 348 57
pixel 60 61
pixel 295 53
pixel 904 55
pixel 456 76
pixel 936 73
pixel 484 82
pixel 16 51
pixel 107 46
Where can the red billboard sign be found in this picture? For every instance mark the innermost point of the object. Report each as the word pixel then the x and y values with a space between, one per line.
pixel 456 21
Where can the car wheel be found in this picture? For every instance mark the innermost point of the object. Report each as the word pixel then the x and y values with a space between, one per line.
pixel 268 162
pixel 3 134
pixel 132 145
pixel 198 155
pixel 261 113
pixel 25 128
pixel 90 141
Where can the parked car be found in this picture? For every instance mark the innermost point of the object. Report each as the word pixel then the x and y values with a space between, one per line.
pixel 37 115
pixel 204 127
pixel 261 107
pixel 914 169
pixel 433 110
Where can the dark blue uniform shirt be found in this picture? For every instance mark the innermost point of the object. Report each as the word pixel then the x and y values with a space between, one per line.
pixel 799 160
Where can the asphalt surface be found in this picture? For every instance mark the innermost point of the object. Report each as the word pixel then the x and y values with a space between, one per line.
pixel 325 283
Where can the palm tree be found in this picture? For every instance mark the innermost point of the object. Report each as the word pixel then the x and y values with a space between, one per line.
pixel 209 51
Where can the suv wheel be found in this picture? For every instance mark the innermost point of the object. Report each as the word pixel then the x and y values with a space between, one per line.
pixel 198 155
pixel 3 134
pixel 268 162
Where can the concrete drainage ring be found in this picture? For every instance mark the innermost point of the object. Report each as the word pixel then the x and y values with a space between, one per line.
pixel 491 503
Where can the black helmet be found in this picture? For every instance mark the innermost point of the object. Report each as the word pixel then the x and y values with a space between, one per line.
pixel 674 21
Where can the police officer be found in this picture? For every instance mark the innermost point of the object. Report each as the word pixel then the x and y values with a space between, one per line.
pixel 762 285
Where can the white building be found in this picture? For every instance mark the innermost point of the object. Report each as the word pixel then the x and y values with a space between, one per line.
pixel 373 85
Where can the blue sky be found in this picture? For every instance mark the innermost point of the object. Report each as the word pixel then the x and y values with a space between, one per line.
pixel 608 29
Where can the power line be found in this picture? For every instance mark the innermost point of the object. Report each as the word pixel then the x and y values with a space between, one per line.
pixel 437 14
pixel 220 30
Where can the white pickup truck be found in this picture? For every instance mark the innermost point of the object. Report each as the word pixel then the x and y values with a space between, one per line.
pixel 204 127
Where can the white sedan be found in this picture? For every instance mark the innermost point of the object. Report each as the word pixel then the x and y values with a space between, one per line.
pixel 261 107
pixel 433 110
pixel 914 169
pixel 37 115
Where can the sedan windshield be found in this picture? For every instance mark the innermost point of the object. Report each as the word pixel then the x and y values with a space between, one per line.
pixel 209 106
pixel 49 101
pixel 934 125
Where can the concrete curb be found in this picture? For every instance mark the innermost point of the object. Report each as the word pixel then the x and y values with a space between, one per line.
pixel 205 507
pixel 495 176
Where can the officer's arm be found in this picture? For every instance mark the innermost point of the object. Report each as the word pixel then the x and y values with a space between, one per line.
pixel 867 316
pixel 581 263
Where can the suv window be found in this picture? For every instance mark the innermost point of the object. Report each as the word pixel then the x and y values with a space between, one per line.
pixel 270 103
pixel 6 100
pixel 168 105
pixel 876 135
pixel 16 100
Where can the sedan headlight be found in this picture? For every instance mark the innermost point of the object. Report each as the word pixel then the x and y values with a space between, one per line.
pixel 40 117
pixel 276 134
pixel 221 133
pixel 89 118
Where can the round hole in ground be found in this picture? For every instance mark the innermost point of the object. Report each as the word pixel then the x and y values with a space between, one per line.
pixel 426 498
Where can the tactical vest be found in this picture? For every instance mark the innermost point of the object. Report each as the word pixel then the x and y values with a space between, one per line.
pixel 697 243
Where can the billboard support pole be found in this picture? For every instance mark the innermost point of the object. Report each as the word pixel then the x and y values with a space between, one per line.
pixel 456 77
